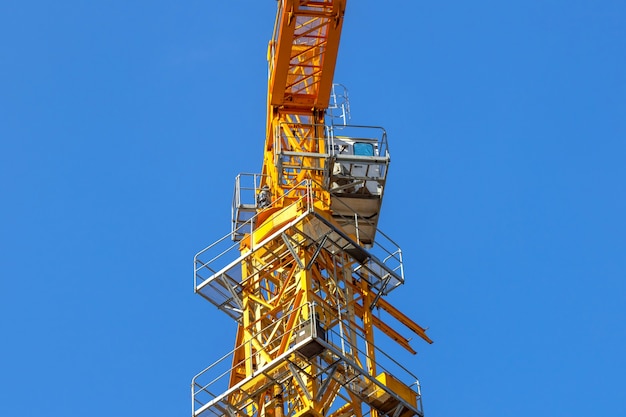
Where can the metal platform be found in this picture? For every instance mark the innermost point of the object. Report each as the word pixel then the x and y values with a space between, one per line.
pixel 338 355
pixel 218 268
pixel 352 162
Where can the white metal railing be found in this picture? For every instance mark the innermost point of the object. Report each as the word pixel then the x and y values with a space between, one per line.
pixel 326 140
pixel 214 388
pixel 332 152
pixel 220 262
pixel 210 386
pixel 359 133
pixel 217 268
pixel 247 188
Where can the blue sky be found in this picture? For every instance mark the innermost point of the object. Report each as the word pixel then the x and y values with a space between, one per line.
pixel 123 125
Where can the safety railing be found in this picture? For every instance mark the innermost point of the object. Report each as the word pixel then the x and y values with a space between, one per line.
pixel 245 204
pixel 323 141
pixel 217 268
pixel 358 161
pixel 348 342
pixel 376 135
pixel 378 243
pixel 300 147
pixel 220 262
pixel 349 157
pixel 318 330
pixel 225 383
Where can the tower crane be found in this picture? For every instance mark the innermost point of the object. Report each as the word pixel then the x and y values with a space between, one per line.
pixel 305 266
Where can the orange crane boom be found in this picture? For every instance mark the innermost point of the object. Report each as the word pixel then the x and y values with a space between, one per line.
pixel 303 53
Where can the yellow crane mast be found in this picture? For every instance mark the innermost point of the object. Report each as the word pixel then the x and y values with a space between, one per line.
pixel 305 265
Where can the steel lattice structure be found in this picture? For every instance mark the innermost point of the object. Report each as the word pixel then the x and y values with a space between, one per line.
pixel 305 264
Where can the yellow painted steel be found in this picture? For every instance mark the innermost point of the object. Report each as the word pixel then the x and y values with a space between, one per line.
pixel 302 56
pixel 290 280
pixel 303 53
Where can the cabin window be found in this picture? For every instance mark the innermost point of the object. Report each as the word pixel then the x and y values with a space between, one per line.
pixel 363 149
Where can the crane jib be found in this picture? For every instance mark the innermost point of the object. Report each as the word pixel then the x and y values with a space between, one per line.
pixel 303 53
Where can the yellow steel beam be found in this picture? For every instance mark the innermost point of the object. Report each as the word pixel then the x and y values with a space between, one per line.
pixel 402 318
pixel 307 32
pixel 397 337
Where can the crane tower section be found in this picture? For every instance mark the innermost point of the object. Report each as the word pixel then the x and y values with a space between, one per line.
pixel 305 265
